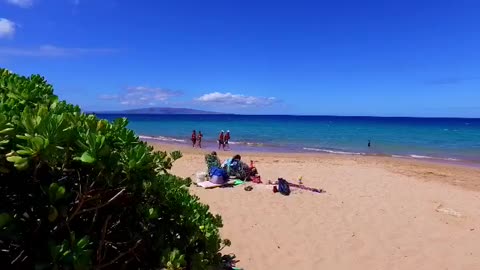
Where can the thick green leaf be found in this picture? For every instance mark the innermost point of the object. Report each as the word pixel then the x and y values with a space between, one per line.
pixel 52 214
pixel 60 193
pixel 21 165
pixel 19 162
pixel 15 159
pixel 152 213
pixel 25 152
pixel 37 143
pixel 87 158
pixel 82 243
pixel 6 130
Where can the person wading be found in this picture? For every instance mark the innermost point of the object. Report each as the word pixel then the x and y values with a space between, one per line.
pixel 221 141
pixel 199 139
pixel 226 140
pixel 194 138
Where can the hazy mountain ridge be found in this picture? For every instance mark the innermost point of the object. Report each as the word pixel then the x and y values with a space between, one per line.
pixel 159 110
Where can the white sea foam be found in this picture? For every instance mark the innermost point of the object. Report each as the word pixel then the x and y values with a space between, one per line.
pixel 420 156
pixel 426 157
pixel 246 143
pixel 161 138
pixel 331 151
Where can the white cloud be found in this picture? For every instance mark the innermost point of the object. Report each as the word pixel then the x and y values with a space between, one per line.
pixel 7 28
pixel 52 51
pixel 235 99
pixel 21 3
pixel 141 95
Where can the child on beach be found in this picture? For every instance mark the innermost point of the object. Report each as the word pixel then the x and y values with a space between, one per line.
pixel 194 138
pixel 199 139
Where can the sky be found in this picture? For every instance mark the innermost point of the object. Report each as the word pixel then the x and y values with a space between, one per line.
pixel 378 58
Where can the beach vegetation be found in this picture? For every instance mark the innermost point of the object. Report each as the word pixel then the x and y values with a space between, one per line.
pixel 78 192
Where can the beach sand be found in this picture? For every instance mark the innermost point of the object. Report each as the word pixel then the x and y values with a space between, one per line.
pixel 377 213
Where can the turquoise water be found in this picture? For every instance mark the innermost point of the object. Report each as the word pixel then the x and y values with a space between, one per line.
pixel 427 138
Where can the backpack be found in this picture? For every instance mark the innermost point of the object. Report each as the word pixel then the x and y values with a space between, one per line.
pixel 283 187
pixel 219 173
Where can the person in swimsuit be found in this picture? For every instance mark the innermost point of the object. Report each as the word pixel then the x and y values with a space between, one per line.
pixel 227 138
pixel 221 140
pixel 194 138
pixel 199 139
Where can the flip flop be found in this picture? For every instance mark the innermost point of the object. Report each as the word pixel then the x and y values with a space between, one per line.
pixel 249 188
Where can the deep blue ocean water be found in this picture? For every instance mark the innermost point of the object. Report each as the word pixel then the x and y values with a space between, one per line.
pixel 452 139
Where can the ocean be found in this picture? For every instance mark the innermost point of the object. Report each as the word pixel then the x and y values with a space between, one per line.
pixel 443 139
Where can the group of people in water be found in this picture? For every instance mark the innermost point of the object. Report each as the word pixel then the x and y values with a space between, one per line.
pixel 223 139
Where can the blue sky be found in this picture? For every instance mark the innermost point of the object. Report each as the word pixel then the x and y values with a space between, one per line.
pixel 387 58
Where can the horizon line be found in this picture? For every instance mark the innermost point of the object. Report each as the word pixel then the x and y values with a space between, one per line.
pixel 294 115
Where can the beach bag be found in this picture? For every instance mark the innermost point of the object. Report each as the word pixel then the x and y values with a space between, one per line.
pixel 218 176
pixel 283 187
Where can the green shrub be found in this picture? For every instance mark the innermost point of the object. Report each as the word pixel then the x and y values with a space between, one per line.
pixel 77 192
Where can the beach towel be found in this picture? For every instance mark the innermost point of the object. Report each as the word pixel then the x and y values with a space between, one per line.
pixel 208 184
pixel 307 188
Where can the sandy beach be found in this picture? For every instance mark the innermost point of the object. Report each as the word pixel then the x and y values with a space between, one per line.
pixel 377 212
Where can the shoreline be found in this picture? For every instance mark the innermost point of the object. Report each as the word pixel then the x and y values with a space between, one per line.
pixel 465 176
pixel 248 149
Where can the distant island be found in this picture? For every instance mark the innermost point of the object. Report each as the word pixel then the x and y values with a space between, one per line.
pixel 157 110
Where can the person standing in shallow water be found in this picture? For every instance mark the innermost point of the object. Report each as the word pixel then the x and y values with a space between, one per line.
pixel 226 140
pixel 194 138
pixel 369 144
pixel 199 139
pixel 221 140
